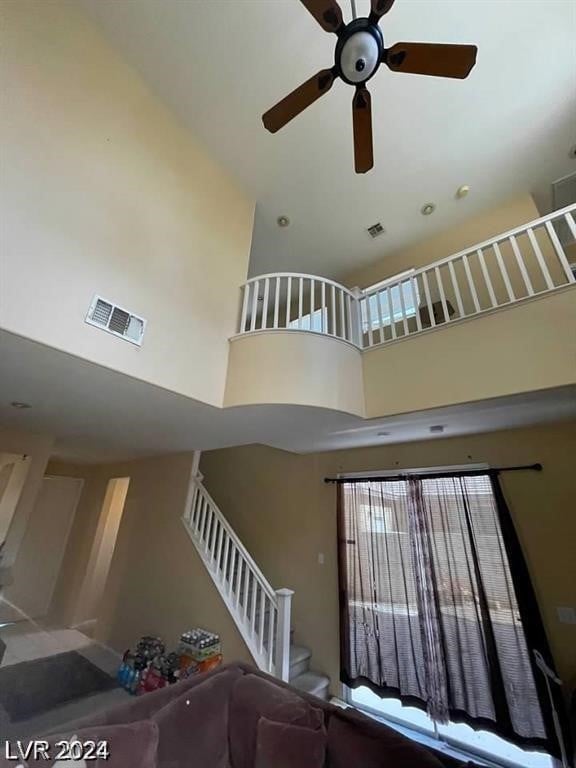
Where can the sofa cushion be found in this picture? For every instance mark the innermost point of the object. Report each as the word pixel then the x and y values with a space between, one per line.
pixel 356 740
pixel 283 745
pixel 193 728
pixel 254 697
pixel 131 744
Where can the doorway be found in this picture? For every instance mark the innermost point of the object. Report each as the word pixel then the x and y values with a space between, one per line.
pixel 100 558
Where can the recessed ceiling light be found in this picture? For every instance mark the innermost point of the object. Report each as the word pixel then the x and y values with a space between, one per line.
pixel 462 191
pixel 427 209
pixel 437 428
pixel 383 434
pixel 282 221
pixel 17 404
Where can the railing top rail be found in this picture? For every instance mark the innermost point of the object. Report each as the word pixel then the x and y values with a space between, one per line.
pixel 266 586
pixel 476 247
pixel 297 275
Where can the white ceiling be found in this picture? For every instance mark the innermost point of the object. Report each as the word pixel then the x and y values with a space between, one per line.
pixel 99 415
pixel 507 129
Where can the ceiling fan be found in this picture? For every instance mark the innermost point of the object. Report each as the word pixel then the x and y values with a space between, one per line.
pixel 359 52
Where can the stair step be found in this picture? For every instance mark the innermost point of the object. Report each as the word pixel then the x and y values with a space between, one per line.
pixel 299 660
pixel 313 683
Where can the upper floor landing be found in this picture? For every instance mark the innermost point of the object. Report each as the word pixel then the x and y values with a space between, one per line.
pixel 495 319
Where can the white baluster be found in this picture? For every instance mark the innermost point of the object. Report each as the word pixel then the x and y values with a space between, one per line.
pixel 261 621
pixel 300 299
pixel 456 289
pixel 238 583
pixel 403 308
pixel 521 265
pixel 442 295
pixel 471 285
pixel 225 558
pixel 487 280
pixel 369 320
pixel 247 574
pixel 504 272
pixel 540 259
pixel 428 300
pixel 571 225
pixel 311 303
pixel 271 635
pixel 391 311
pixel 380 317
pixel 333 310
pixel 284 598
pixel 276 302
pixel 416 303
pixel 245 300
pixel 324 308
pixel 253 606
pixel 221 534
pixel 264 322
pixel 349 316
pixel 231 579
pixel 342 316
pixel 201 515
pixel 288 301
pixel 560 252
pixel 256 286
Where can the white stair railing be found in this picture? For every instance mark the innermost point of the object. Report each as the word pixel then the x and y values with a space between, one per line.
pixel 525 262
pixel 261 614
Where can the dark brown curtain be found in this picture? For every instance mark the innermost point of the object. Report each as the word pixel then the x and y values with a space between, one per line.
pixel 429 606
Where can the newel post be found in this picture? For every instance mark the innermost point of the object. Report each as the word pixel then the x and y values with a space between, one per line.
pixel 195 478
pixel 357 318
pixel 283 633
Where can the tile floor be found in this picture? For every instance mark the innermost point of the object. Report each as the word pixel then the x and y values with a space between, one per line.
pixel 27 641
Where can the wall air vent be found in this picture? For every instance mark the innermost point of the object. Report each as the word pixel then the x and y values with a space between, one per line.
pixel 116 320
pixel 563 194
pixel 375 230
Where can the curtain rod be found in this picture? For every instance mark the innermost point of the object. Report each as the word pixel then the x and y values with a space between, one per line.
pixel 431 475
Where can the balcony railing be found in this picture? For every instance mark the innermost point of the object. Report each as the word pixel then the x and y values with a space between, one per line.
pixel 512 267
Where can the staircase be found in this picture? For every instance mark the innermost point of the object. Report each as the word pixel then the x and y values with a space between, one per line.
pixel 261 614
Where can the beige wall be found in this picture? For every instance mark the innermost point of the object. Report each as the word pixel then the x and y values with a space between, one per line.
pixel 474 230
pixel 528 347
pixel 286 515
pixel 157 583
pixel 37 448
pixel 103 191
pixel 295 368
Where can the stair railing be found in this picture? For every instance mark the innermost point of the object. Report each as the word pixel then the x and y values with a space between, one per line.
pixel 524 263
pixel 261 614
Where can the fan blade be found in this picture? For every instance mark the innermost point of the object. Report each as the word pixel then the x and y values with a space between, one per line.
pixel 298 100
pixel 362 120
pixel 379 8
pixel 432 59
pixel 327 13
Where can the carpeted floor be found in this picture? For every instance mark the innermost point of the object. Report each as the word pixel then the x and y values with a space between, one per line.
pixel 33 687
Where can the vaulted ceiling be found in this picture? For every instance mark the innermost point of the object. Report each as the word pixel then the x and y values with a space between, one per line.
pixel 506 130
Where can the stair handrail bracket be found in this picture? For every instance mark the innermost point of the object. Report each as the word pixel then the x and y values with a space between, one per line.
pixel 261 613
pixel 526 262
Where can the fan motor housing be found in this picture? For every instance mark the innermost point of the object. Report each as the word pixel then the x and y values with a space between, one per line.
pixel 359 51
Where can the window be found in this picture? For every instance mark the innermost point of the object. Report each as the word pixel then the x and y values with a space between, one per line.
pixel 314 322
pixel 385 305
pixel 436 615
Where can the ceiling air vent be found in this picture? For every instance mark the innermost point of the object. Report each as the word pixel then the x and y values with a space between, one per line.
pixel 375 230
pixel 114 319
pixel 563 194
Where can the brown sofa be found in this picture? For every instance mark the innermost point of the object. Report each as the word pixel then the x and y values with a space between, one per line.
pixel 237 717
